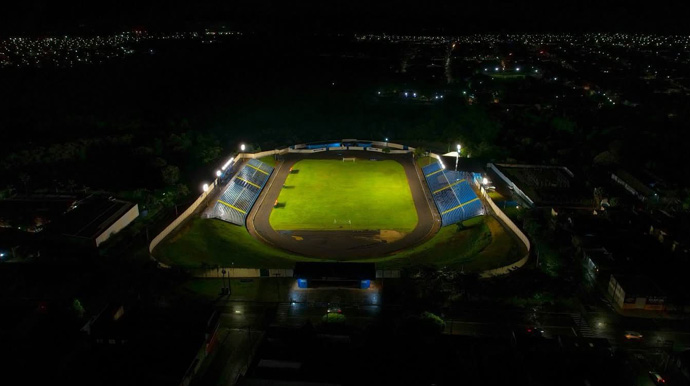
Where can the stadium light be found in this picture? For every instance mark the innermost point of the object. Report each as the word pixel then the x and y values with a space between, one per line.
pixel 205 187
pixel 218 173
pixel 242 147
pixel 227 163
pixel 457 155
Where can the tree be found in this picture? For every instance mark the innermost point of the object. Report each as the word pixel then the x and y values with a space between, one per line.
pixel 78 308
pixel 170 174
pixel 25 178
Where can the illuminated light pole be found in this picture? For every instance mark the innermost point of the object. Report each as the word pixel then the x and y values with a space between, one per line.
pixel 457 156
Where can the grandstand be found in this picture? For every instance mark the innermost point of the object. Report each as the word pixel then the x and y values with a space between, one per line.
pixel 453 195
pixel 239 196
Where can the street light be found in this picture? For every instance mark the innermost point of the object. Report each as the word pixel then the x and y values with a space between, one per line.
pixel 205 187
pixel 457 155
pixel 218 173
pixel 242 147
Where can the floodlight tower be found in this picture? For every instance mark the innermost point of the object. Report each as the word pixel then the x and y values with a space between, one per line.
pixel 457 155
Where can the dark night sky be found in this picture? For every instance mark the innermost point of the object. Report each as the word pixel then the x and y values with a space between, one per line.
pixel 348 16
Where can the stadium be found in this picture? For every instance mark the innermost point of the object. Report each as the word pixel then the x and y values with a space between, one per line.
pixel 348 200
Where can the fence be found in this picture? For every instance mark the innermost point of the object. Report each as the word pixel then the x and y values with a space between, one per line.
pixel 217 272
pixel 308 151
pixel 508 223
pixel 192 208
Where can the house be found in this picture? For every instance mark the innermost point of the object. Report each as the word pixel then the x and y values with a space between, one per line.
pixel 636 292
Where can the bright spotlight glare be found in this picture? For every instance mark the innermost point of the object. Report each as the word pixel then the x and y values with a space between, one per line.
pixel 205 187
pixel 485 181
pixel 227 163
pixel 218 173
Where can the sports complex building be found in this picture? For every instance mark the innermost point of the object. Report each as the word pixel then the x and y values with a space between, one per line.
pixel 339 201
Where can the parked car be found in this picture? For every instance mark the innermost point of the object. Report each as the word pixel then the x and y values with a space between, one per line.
pixel 656 378
pixel 633 335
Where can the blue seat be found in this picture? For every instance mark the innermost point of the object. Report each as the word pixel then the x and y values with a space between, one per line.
pixel 241 192
pixel 456 202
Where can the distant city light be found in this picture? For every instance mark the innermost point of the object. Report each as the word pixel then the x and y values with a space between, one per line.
pixel 405 93
pixel 414 94
pixel 517 69
pixel 496 69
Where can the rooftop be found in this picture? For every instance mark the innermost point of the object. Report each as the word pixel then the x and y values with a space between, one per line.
pixel 91 216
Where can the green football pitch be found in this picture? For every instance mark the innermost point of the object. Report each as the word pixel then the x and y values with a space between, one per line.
pixel 337 195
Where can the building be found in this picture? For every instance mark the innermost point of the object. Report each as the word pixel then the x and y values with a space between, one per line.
pixel 94 219
pixel 34 212
pixel 109 326
pixel 634 186
pixel 636 293
pixel 358 275
pixel 597 260
pixel 541 185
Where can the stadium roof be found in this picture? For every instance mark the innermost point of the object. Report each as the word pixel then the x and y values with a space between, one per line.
pixel 91 216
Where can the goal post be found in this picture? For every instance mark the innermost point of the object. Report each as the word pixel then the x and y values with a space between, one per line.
pixel 349 159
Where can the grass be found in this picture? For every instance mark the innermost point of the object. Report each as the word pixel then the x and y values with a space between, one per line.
pixel 424 161
pixel 215 242
pixel 268 160
pixel 496 196
pixel 331 194
pixel 478 244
